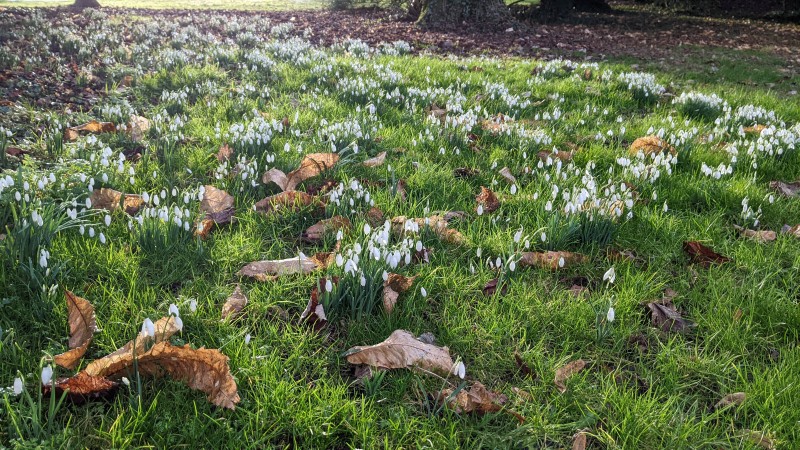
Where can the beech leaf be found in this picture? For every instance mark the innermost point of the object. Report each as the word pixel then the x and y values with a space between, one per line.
pixel 312 165
pixel 437 224
pixel 291 200
pixel 565 372
pixel 761 236
pixel 667 318
pixel 488 200
pixel 649 145
pixel 703 255
pixel 737 398
pixel 262 270
pixel 402 350
pixel 392 288
pixel 111 200
pixel 376 161
pixel 93 127
pixel 505 172
pixel 217 204
pixel 82 388
pixel 551 260
pixel 234 304
pixel 82 326
pixel 475 399
pixel 786 189
pixel 138 127
pixel 317 232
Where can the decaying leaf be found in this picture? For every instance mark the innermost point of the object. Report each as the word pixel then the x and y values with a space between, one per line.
pixel 217 204
pixel 324 259
pixel 394 285
pixel 314 314
pixel 82 326
pixel 498 124
pixel 203 369
pixel 757 235
pixel 375 217
pixel 82 388
pixel 376 161
pixel 234 304
pixel 475 399
pixel 786 189
pixel 703 255
pixel 491 288
pixel 551 260
pixel 111 200
pixel 138 127
pixel 563 373
pixel 756 130
pixel 650 145
pixel 505 172
pixel 400 351
pixel 579 441
pixel 165 328
pixel 437 224
pixel 290 200
pixel 400 189
pixel 93 127
pixel 263 270
pixel 666 318
pixel 437 112
pixel 488 200
pixel 312 165
pixel 317 232
pixel 465 172
pixel 794 231
pixel 759 438
pixel 556 154
pixel 225 153
pixel 737 398
pixel 523 366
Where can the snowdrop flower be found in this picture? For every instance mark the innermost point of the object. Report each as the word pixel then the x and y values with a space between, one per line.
pixel 328 286
pixel 178 323
pixel 666 208
pixel 18 386
pixel 513 189
pixel 47 375
pixel 108 220
pixel 385 276
pixel 102 238
pixel 43 255
pixel 518 236
pixel 544 236
pixel 561 261
pixel 91 232
pixel 480 210
pixel 423 292
pixel 459 370
pixel 367 229
pixel 479 252
pixel 610 275
pixel 193 305
pixel 247 339
pixel 173 309
pixel 611 314
pixel 126 381
pixel 148 328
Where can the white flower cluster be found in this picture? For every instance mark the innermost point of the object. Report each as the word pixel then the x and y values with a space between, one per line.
pixel 351 197
pixel 718 172
pixel 750 115
pixel 641 84
pixel 377 252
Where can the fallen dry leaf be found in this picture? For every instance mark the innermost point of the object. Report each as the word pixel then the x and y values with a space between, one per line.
pixel 465 172
pixel 375 217
pixel 475 399
pixel 217 204
pixel 314 314
pixel 491 288
pixel 165 328
pixel 579 441
pixel 82 326
pixel 437 224
pixel 225 153
pixel 786 189
pixel 703 255
pixel 402 350
pixel 756 130
pixel 93 127
pixel 761 236
pixel 324 259
pixel 667 318
pixel 138 127
pixel 649 145
pixel 437 112
pixel 569 369
pixel 312 165
pixel 551 260
pixel 234 304
pixel 82 388
pixel 505 172
pixel 794 231
pixel 376 161
pixel 111 200
pixel 261 270
pixel 523 366
pixel 400 190
pixel 290 200
pixel 203 369
pixel 488 200
pixel 737 398
pixel 556 154
pixel 317 232
pixel 394 285
pixel 760 439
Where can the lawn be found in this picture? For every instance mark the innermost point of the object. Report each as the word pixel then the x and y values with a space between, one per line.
pixel 595 282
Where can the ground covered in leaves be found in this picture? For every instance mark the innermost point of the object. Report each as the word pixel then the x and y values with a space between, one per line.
pixel 218 232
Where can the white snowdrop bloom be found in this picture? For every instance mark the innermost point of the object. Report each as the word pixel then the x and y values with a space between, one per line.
pixel 610 275
pixel 47 375
pixel 518 236
pixel 173 309
pixel 178 323
pixel 18 386
pixel 88 203
pixel 544 236
pixel 666 208
pixel 146 197
pixel 367 229
pixel 43 256
pixel 498 262
pixel 513 189
pixel 771 198
pixel 81 230
pixel 611 314
pixel 339 260
pixel 512 266
pixel 423 292
pixel 480 210
pixel 148 328
pixel 418 246
pixel 102 238
pixel 328 285
pixel 107 220
pixel 460 370
pixel 126 381
pixel 17 196
pixel 561 261
pixel 91 232
pixel 193 305
pixel 479 252
pixel 247 336
pixel 362 281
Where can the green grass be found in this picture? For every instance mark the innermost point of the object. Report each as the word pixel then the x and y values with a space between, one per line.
pixel 297 389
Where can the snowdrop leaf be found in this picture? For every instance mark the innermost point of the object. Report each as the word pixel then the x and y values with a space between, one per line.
pixel 649 145
pixel 234 304
pixel 203 369
pixel 82 388
pixel 786 189
pixel 761 236
pixel 290 200
pixel 262 270
pixel 82 326
pixel 394 285
pixel 551 260
pixel 475 399
pixel 401 350
pixel 565 372
pixel 317 232
pixel 488 200
pixel 376 161
pixel 164 327
pixel 703 255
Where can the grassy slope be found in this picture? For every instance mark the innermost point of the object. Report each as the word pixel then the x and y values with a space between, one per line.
pixel 295 385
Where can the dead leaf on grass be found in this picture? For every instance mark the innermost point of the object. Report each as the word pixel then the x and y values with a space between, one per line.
pixel 225 153
pixel 579 439
pixel 394 285
pixel 565 372
pixel 791 189
pixel 401 350
pixel 82 388
pixel 761 236
pixel 314 314
pixel 290 200
pixel 111 200
pixel 437 112
pixel 649 145
pixel 760 439
pixel 505 172
pixel 703 255
pixel 523 366
pixel 491 288
pixel 564 156
pixel 551 260
pixel 666 318
pixel 317 232
pixel 82 326
pixel 737 398
pixel 138 127
pixel 376 161
pixel 794 231
pixel 234 304
pixel 475 399
pixel 488 200
pixel 437 224
pixel 264 270
pixel 312 165
pixel 92 127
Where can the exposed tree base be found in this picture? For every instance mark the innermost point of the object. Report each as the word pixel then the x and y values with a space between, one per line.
pixel 86 4
pixel 490 14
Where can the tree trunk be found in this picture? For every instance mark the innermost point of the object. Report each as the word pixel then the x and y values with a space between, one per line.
pixel 550 10
pixel 86 4
pixel 492 14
